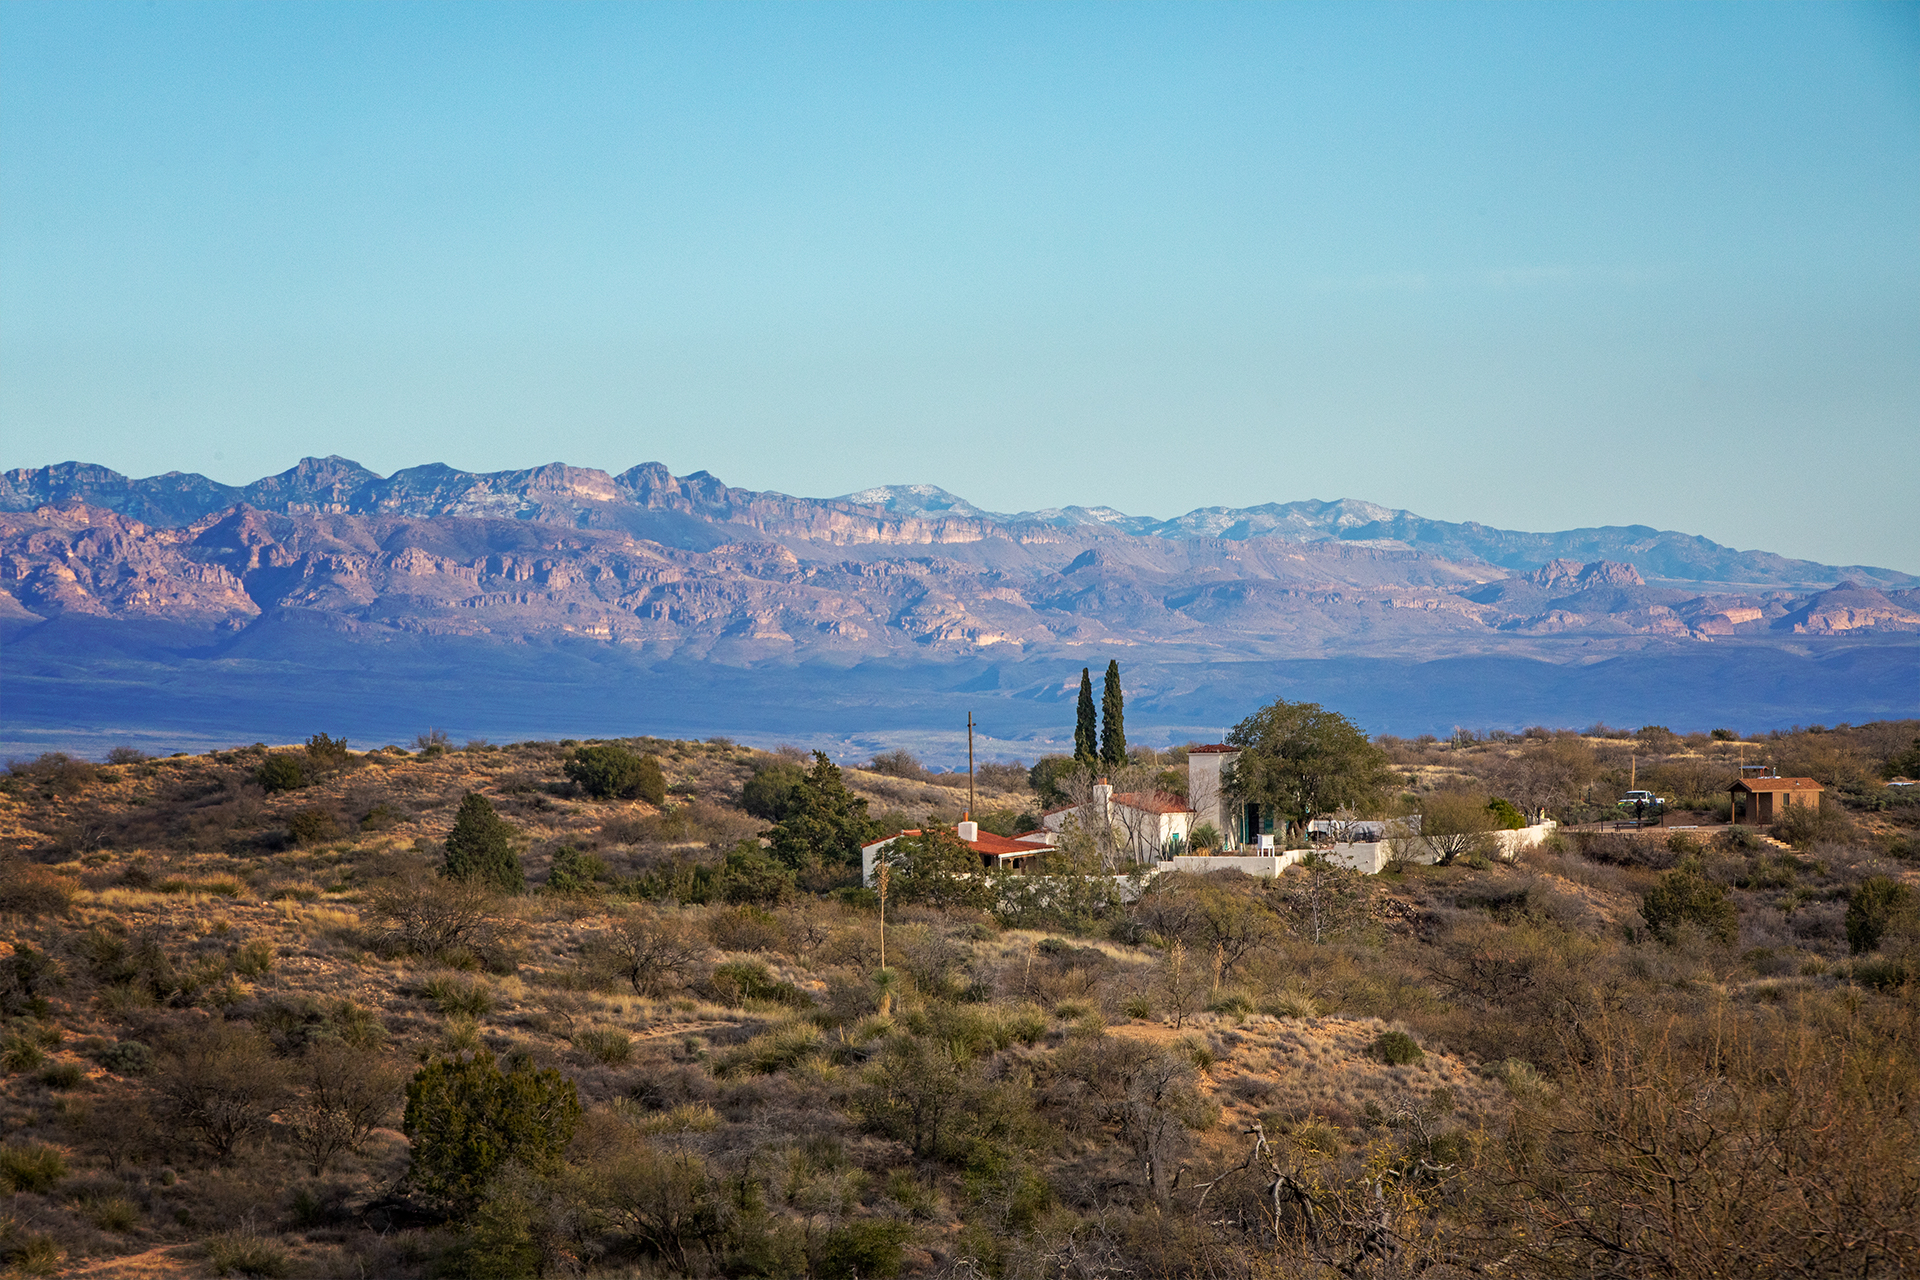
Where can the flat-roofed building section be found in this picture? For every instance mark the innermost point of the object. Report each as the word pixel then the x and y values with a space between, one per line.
pixel 1207 791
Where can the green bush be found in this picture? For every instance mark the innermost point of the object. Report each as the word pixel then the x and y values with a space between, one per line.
pixel 1684 896
pixel 459 996
pixel 281 773
pixel 1397 1049
pixel 769 792
pixel 1879 905
pixel 609 771
pixel 573 871
pixel 123 1057
pixel 246 1252
pixel 865 1248
pixel 21 1052
pixel 1804 825
pixel 744 980
pixel 312 826
pixel 607 1045
pixel 63 1075
pixel 1505 815
pixel 30 1166
pixel 467 1118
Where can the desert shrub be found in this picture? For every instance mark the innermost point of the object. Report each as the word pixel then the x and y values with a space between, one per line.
pixel 1505 815
pixel 21 1052
pixel 253 959
pixel 63 1075
pixel 381 817
pixel 1397 1048
pixel 749 877
pixel 1684 896
pixel 28 889
pixel 1878 905
pixel 608 771
pixel 56 772
pixel 769 791
pixel 113 1213
pixel 649 953
pixel 25 977
pixel 282 773
pixel 453 921
pixel 246 1252
pixel 28 1253
pixel 1740 839
pixel 345 1093
pixel 609 1046
pixel 737 983
pixel 30 1166
pixel 221 1084
pixel 1803 826
pixel 573 871
pixel 460 997
pixel 862 1248
pixel 125 1058
pixel 480 848
pixel 746 928
pixel 328 755
pixel 312 826
pixel 127 755
pixel 467 1119
pixel 899 763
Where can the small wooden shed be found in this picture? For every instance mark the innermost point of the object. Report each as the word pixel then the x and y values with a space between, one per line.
pixel 1761 801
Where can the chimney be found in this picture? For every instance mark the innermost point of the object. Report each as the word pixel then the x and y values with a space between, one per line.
pixel 969 831
pixel 1102 792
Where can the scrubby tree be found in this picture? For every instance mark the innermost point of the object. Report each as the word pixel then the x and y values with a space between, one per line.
pixel 1302 760
pixel 825 824
pixel 327 755
pixel 480 848
pixel 1086 740
pixel 466 1119
pixel 649 952
pixel 610 771
pixel 1048 774
pixel 1456 825
pixel 1113 724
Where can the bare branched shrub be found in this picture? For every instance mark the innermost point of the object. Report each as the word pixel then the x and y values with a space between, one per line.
pixel 345 1094
pixel 650 953
pixel 221 1084
pixel 447 920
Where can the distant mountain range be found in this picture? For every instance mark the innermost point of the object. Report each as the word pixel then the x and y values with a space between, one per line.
pixel 320 566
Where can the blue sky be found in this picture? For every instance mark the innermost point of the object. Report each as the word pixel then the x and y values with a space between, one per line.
pixel 1534 265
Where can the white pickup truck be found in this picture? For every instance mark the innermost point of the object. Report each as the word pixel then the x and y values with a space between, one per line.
pixel 1647 798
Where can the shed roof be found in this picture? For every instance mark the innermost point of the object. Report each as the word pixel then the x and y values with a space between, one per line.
pixel 1213 749
pixel 1776 784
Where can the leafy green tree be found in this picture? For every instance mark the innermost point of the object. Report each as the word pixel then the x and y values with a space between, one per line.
pixel 1047 774
pixel 1113 727
pixel 1302 760
pixel 937 867
pixel 1684 896
pixel 770 791
pixel 1505 815
pixel 609 771
pixel 1086 746
pixel 1877 907
pixel 480 848
pixel 466 1118
pixel 825 824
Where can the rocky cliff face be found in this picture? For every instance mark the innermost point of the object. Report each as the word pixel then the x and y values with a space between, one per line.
pixel 700 512
pixel 547 556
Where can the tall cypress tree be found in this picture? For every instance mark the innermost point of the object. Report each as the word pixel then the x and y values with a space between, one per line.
pixel 1113 725
pixel 1086 747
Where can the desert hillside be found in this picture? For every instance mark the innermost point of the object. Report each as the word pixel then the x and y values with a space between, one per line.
pixel 252 1028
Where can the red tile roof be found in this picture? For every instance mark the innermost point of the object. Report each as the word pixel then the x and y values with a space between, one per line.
pixel 1777 784
pixel 986 843
pixel 1151 801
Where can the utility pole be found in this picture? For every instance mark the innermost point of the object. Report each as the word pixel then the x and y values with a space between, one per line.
pixel 969 765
